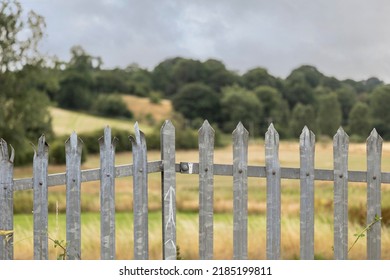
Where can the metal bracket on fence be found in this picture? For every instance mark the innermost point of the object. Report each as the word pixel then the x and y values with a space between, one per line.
pixel 188 168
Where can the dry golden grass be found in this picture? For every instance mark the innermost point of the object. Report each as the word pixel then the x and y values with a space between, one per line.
pixel 187 203
pixel 142 107
pixel 187 237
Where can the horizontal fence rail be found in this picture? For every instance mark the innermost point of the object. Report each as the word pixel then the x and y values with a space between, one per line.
pixel 206 169
pixel 126 170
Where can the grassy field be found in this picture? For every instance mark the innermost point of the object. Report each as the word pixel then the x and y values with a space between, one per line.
pixel 187 226
pixel 187 203
pixel 144 110
pixel 147 114
pixel 65 122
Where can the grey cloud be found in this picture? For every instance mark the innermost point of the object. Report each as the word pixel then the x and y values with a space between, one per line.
pixel 347 39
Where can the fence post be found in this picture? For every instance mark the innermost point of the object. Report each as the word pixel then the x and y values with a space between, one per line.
pixel 107 195
pixel 206 192
pixel 307 147
pixel 273 193
pixel 168 179
pixel 40 164
pixel 240 193
pixel 140 194
pixel 73 149
pixel 6 202
pixel 374 156
pixel 340 159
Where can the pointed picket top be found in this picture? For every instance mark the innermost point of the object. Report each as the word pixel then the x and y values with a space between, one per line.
pixel 341 138
pixel 106 138
pixel 374 141
pixel 307 138
pixel 137 133
pixel 272 136
pixel 4 152
pixel 74 143
pixel 206 129
pixel 43 147
pixel 240 130
pixel 167 126
pixel 139 137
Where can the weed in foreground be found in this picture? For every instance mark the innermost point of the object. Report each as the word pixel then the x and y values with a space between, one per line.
pixel 364 231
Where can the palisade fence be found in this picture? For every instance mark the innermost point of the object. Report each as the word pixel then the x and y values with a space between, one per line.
pixel 206 168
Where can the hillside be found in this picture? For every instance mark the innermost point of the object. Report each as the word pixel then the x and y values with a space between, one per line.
pixel 142 107
pixel 65 121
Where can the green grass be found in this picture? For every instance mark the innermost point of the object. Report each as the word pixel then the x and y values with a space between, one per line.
pixel 146 113
pixel 187 236
pixel 65 122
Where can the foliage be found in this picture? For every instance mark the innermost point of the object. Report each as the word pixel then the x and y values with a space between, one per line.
pixel 258 77
pixel 275 109
pixel 111 106
pixel 77 83
pixel 297 90
pixel 362 234
pixel 347 97
pixel 155 97
pixel 329 115
pixel 359 120
pixel 302 115
pixel 24 115
pixel 162 77
pixel 308 75
pixel 62 245
pixel 197 100
pixel 379 108
pixel 239 104
pixel 217 76
pixel 171 74
pixel 16 51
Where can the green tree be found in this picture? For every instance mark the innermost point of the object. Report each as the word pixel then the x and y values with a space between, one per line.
pixel 359 120
pixel 139 80
pixel 275 109
pixel 115 80
pixel 258 77
pixel 111 105
pixel 347 97
pixel 379 109
pixel 188 71
pixel 197 100
pixel 162 77
pixel 308 74
pixel 329 115
pixel 241 105
pixel 17 50
pixel 372 83
pixel 298 90
pixel 301 116
pixel 217 76
pixel 76 88
pixel 24 114
pixel 332 83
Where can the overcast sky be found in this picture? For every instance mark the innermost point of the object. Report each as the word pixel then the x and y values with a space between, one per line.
pixel 345 39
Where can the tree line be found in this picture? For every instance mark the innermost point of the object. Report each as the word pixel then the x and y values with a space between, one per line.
pixel 199 90
pixel 202 90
